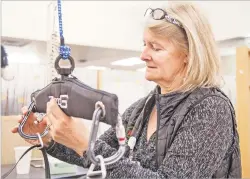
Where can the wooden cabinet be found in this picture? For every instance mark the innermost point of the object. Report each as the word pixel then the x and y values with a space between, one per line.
pixel 243 106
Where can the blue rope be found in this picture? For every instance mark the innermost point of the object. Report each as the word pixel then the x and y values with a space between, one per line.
pixel 64 50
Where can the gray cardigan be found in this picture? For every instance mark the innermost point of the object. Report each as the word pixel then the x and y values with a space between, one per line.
pixel 196 137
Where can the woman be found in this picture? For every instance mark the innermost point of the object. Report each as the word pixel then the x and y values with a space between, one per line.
pixel 186 126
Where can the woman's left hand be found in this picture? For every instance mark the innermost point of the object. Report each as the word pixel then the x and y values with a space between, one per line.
pixel 66 130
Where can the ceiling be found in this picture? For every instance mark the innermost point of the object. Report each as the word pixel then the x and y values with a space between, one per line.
pixel 110 24
pixel 105 31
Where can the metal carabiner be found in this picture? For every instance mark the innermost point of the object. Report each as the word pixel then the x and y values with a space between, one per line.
pixel 20 127
pixel 98 114
pixel 102 173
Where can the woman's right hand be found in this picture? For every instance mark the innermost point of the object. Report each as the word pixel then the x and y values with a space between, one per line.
pixel 31 128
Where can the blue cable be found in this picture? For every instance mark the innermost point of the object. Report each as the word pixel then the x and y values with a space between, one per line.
pixel 64 50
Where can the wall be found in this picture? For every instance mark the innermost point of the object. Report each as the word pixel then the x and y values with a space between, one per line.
pixel 228 64
pixel 228 70
pixel 128 85
pixel 228 18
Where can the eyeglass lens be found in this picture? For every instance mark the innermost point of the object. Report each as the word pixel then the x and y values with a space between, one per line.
pixel 158 14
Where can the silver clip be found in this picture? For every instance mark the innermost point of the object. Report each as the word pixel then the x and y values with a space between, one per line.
pixel 40 140
pixel 102 173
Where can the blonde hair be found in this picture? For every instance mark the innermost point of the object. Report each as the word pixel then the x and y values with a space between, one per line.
pixel 195 39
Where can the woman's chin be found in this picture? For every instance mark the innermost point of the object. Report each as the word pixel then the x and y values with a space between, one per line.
pixel 149 77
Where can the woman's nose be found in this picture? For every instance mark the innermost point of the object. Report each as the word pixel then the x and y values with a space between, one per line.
pixel 145 56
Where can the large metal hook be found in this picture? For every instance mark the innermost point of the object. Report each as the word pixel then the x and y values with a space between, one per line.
pixel 120 133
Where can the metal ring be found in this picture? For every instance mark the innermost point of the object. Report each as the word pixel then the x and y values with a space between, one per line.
pixel 64 71
pixel 101 173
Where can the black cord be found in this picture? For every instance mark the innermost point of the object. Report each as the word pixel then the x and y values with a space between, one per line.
pixel 46 162
pixel 9 172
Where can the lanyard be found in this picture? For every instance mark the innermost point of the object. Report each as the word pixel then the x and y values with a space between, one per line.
pixel 139 124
